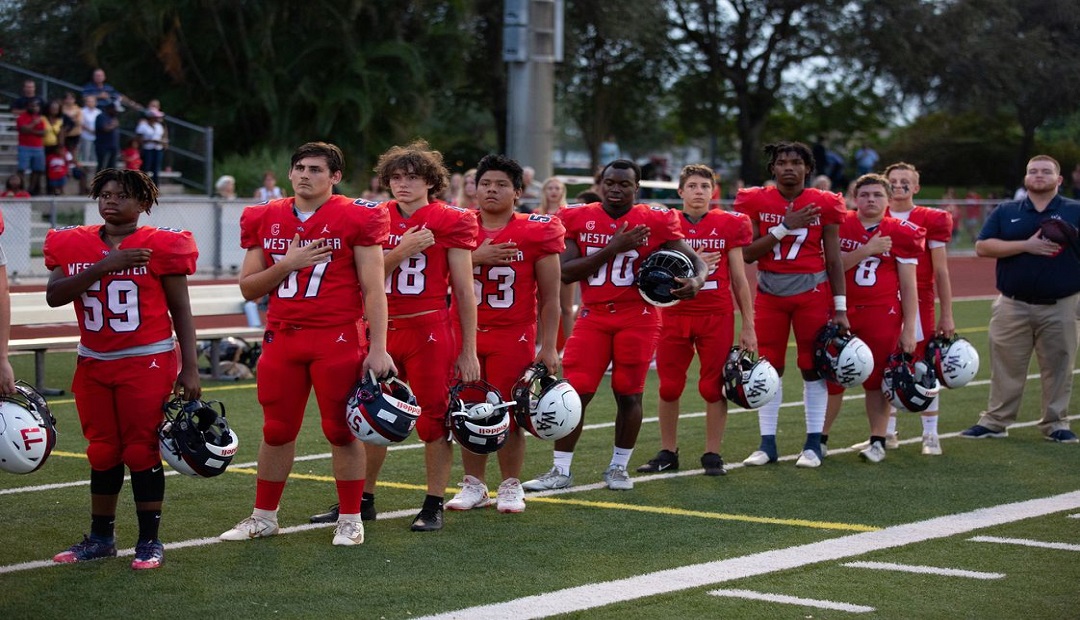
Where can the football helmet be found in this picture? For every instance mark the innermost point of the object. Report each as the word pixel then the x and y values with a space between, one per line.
pixel 656 277
pixel 544 405
pixel 27 430
pixel 749 381
pixel 478 417
pixel 381 412
pixel 842 358
pixel 954 360
pixel 195 438
pixel 908 384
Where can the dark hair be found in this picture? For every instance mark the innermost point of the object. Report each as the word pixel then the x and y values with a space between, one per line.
pixel 335 160
pixel 800 149
pixel 587 197
pixel 623 164
pixel 135 183
pixel 502 163
pixel 873 179
pixel 419 158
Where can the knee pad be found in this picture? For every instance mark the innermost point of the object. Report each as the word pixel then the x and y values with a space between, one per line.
pixel 107 481
pixel 279 433
pixel 338 434
pixel 672 390
pixel 142 456
pixel 148 485
pixel 431 428
pixel 103 456
pixel 629 380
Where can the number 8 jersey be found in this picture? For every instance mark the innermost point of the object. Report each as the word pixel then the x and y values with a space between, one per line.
pixel 124 309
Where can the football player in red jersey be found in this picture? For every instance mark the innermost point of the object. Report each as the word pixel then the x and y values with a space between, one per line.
pixel 932 275
pixel 319 257
pixel 7 375
pixel 428 253
pixel 516 270
pixel 129 287
pixel 880 256
pixel 800 284
pixel 705 323
pixel 606 242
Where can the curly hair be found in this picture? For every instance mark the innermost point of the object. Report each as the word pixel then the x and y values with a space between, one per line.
pixel 135 183
pixel 800 149
pixel 419 158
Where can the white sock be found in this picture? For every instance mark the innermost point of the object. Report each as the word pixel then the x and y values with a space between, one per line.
pixel 815 396
pixel 768 415
pixel 933 408
pixel 269 515
pixel 891 428
pixel 563 461
pixel 929 425
pixel 621 456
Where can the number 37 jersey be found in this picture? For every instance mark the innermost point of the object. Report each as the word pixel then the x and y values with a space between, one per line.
pixel 124 309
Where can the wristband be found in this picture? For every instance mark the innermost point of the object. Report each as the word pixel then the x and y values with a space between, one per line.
pixel 839 303
pixel 779 231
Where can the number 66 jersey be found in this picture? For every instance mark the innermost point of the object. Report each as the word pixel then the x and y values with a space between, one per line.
pixel 124 309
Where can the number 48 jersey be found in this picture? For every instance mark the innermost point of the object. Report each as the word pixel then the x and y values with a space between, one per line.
pixel 875 280
pixel 506 294
pixel 124 309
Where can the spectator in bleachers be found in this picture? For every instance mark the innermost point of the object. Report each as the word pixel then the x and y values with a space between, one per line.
pixel 107 136
pixel 73 121
pixel 225 187
pixel 131 154
pixel 533 189
pixel 552 197
pixel 375 191
pixel 30 126
pixel 13 188
pixel 105 93
pixel 269 190
pixel 56 169
pixel 90 112
pixel 29 93
pixel 56 125
pixel 466 198
pixel 151 132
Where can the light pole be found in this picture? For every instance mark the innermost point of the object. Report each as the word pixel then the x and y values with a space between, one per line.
pixel 532 44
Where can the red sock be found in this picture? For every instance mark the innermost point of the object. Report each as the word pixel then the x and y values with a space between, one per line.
pixel 349 493
pixel 268 494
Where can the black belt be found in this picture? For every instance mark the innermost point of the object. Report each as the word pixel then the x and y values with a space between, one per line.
pixel 1035 301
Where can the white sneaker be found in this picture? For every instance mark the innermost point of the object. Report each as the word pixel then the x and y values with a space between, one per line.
pixel 348 533
pixel 931 445
pixel 808 458
pixel 549 480
pixel 251 527
pixel 892 442
pixel 617 479
pixel 873 454
pixel 758 457
pixel 473 494
pixel 511 497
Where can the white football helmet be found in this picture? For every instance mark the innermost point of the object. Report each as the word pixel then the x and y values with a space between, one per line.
pixel 381 412
pixel 955 361
pixel 907 384
pixel 749 381
pixel 195 438
pixel 544 405
pixel 656 277
pixel 842 358
pixel 478 417
pixel 27 430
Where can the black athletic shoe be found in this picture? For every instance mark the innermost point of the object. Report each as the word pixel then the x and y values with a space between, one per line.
pixel 665 460
pixel 330 516
pixel 713 464
pixel 428 521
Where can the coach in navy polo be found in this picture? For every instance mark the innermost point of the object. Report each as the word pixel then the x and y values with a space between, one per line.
pixel 1039 282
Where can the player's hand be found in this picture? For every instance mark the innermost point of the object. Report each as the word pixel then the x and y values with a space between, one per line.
pixel 946 327
pixel 842 322
pixel 129 258
pixel 1041 246
pixel 550 359
pixel 689 288
pixel 879 244
pixel 800 218
pixel 187 384
pixel 416 240
pixel 380 363
pixel 7 377
pixel 907 341
pixel 299 256
pixel 748 339
pixel 709 258
pixel 488 253
pixel 467 367
pixel 627 238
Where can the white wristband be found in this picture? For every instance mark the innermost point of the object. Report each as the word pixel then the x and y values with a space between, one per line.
pixel 839 303
pixel 779 231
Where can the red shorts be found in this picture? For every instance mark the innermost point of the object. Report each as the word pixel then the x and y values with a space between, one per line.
pixel 879 327
pixel 622 334
pixel 711 335
pixel 774 317
pixel 424 349
pixel 927 320
pixel 119 403
pixel 505 353
pixel 295 359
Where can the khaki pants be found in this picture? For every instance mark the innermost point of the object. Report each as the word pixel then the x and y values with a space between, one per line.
pixel 1016 330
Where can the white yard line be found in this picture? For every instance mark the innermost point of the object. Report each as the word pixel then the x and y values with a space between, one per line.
pixel 793 600
pixel 1026 543
pixel 926 570
pixel 595 595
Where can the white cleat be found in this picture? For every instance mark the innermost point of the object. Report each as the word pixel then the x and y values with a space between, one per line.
pixel 873 454
pixel 348 533
pixel 617 479
pixel 758 457
pixel 511 497
pixel 251 527
pixel 808 458
pixel 931 445
pixel 473 494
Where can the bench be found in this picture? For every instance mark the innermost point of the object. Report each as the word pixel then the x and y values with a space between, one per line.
pixel 208 300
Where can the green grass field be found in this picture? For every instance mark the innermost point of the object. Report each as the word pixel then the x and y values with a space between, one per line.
pixel 681 545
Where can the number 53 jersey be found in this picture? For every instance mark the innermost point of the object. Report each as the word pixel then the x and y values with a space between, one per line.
pixel 124 309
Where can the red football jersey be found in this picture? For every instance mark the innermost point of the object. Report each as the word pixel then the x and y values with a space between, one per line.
pixel 124 309
pixel 422 281
pixel 591 228
pixel 506 294
pixel 875 280
pixel 801 251
pixel 717 231
pixel 939 227
pixel 344 223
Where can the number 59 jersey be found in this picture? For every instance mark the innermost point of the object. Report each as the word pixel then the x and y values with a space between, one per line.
pixel 124 309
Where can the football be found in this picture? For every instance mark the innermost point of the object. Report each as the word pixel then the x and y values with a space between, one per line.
pixel 1059 231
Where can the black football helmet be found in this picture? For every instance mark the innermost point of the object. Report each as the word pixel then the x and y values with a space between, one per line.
pixel 195 438
pixel 478 417
pixel 908 384
pixel 656 277
pixel 381 412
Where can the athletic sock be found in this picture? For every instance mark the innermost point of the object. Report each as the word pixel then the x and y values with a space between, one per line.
pixel 562 461
pixel 815 398
pixel 768 446
pixel 268 494
pixel 621 456
pixel 103 527
pixel 149 522
pixel 929 424
pixel 891 428
pixel 769 414
pixel 349 493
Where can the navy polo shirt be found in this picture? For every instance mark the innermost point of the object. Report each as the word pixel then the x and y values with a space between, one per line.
pixel 1026 276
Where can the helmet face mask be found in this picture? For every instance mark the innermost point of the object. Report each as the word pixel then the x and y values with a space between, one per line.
pixel 842 358
pixel 27 430
pixel 381 412
pixel 908 384
pixel 749 381
pixel 954 360
pixel 478 418
pixel 195 438
pixel 656 277
pixel 544 405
